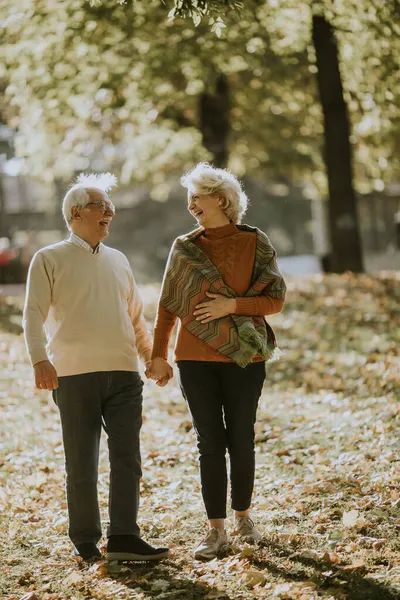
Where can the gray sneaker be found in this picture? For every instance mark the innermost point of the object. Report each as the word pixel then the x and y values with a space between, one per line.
pixel 212 544
pixel 246 529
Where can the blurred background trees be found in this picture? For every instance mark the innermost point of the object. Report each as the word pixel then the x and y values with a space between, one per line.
pixel 299 93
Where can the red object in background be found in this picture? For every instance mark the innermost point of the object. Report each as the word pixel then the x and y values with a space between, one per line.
pixel 7 256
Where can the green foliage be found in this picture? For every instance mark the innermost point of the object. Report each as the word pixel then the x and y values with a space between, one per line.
pixel 214 10
pixel 111 85
pixel 96 81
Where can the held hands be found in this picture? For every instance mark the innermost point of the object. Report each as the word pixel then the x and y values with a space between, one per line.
pixel 160 370
pixel 218 307
pixel 45 376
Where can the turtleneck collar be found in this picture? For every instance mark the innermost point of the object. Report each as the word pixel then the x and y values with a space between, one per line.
pixel 220 232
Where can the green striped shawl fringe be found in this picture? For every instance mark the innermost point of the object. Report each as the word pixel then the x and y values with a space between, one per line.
pixel 190 274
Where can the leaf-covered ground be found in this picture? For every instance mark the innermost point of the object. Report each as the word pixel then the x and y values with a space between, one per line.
pixel 327 494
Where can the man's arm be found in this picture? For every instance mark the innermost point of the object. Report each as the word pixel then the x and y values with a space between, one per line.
pixel 135 310
pixel 37 304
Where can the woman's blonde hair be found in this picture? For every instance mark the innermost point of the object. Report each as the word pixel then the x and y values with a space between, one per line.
pixel 209 180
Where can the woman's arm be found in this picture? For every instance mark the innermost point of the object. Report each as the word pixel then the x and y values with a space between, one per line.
pixel 220 306
pixel 258 306
pixel 160 369
pixel 272 298
pixel 163 327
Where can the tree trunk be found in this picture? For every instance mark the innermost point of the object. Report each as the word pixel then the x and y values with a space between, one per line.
pixel 3 227
pixel 343 218
pixel 215 121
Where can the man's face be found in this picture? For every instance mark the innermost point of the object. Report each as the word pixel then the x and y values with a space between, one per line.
pixel 93 220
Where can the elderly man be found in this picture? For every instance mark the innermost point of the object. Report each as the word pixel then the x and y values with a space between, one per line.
pixel 85 297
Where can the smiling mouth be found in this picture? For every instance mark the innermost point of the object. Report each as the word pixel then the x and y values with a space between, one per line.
pixel 104 223
pixel 198 213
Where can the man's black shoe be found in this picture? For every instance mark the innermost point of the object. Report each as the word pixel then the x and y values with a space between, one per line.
pixel 88 551
pixel 132 547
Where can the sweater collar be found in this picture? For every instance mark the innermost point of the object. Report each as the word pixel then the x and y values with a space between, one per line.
pixel 78 241
pixel 220 232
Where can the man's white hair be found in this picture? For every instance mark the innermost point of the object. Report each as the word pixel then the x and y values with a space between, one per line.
pixel 208 180
pixel 78 194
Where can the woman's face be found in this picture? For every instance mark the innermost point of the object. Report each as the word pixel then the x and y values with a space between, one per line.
pixel 206 209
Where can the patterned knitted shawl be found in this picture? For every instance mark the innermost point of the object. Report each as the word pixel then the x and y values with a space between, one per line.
pixel 190 274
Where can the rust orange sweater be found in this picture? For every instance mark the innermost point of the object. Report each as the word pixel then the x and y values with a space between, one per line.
pixel 232 251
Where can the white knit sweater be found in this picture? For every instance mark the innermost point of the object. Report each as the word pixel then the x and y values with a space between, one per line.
pixel 89 307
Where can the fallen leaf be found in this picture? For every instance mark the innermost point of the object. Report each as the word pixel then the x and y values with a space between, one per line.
pixel 349 518
pixel 330 557
pixel 253 578
pixel 283 452
pixel 247 551
pixel 215 594
pixel 378 544
pixel 71 579
pixel 160 585
pixel 311 554
pixel 357 565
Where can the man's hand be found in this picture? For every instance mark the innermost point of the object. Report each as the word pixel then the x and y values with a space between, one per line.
pixel 45 376
pixel 160 370
pixel 218 307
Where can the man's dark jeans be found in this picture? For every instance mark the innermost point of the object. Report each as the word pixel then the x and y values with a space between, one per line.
pixel 88 402
pixel 223 400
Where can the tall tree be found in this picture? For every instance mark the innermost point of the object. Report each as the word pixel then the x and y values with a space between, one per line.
pixel 342 205
pixel 215 121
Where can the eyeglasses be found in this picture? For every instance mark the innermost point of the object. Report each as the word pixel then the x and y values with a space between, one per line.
pixel 103 206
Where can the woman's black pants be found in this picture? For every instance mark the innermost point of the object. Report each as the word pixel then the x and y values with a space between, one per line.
pixel 222 399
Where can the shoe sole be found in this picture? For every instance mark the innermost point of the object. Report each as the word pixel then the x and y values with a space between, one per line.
pixel 136 557
pixel 202 557
pixel 92 558
pixel 220 552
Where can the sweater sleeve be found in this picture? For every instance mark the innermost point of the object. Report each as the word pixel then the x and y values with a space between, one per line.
pixel 163 327
pixel 258 306
pixel 270 301
pixel 37 305
pixel 135 309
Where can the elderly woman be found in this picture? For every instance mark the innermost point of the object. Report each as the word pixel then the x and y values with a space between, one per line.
pixel 220 281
